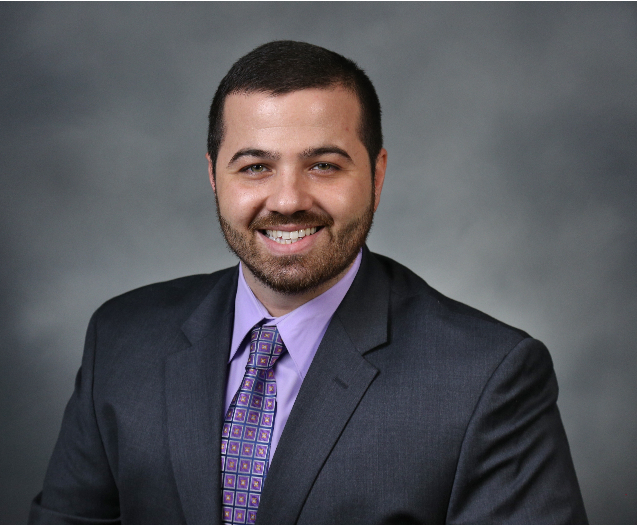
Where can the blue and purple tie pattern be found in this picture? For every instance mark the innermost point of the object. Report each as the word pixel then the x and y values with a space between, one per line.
pixel 247 429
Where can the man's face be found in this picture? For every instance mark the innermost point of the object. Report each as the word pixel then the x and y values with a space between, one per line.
pixel 293 185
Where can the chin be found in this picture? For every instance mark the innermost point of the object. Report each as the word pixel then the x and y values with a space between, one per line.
pixel 296 275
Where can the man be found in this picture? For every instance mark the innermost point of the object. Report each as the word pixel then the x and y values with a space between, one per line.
pixel 316 383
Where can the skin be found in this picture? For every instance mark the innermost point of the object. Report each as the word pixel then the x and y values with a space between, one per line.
pixel 288 162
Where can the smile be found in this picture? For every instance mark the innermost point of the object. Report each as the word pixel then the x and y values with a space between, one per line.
pixel 290 237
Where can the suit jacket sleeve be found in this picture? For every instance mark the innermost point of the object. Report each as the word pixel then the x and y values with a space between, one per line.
pixel 79 487
pixel 515 465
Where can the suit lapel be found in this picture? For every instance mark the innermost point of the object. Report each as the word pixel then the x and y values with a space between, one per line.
pixel 335 383
pixel 195 391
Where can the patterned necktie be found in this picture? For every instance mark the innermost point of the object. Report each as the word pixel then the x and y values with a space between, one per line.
pixel 247 429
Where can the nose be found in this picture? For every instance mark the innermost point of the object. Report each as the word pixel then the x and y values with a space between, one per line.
pixel 289 193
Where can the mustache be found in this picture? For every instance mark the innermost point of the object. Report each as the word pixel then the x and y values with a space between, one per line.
pixel 304 218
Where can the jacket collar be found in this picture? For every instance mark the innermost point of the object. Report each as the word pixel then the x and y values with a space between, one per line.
pixel 195 376
pixel 334 386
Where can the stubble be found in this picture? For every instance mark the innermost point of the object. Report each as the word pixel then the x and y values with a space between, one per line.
pixel 299 273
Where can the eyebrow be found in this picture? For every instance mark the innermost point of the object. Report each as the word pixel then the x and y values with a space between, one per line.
pixel 325 150
pixel 306 154
pixel 253 152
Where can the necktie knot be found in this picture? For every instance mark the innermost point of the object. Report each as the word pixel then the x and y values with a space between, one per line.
pixel 266 346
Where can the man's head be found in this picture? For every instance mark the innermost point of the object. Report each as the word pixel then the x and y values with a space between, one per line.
pixel 284 66
pixel 296 175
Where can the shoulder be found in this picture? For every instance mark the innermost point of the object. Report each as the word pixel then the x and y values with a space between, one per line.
pixel 456 353
pixel 440 322
pixel 158 305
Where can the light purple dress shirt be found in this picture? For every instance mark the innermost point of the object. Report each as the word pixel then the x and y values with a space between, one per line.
pixel 301 330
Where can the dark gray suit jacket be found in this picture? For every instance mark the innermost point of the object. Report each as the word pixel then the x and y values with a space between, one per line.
pixel 416 409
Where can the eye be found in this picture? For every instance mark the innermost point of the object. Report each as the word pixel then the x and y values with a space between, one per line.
pixel 255 168
pixel 324 167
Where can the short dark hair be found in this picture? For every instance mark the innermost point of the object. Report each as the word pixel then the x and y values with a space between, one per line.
pixel 284 66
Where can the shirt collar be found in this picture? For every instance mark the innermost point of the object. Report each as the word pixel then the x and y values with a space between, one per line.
pixel 301 329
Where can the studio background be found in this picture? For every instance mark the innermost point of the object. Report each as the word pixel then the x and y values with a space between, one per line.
pixel 512 139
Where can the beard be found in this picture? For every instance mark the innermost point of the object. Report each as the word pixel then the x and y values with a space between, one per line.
pixel 294 274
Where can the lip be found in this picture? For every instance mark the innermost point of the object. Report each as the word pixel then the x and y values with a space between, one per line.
pixel 300 245
pixel 292 227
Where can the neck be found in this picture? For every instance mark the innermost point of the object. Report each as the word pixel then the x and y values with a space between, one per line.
pixel 278 303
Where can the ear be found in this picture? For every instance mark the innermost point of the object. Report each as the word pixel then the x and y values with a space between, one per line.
pixel 379 176
pixel 211 174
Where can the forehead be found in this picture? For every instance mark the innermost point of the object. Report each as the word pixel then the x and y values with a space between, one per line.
pixel 331 112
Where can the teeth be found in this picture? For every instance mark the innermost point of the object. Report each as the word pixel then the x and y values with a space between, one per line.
pixel 289 237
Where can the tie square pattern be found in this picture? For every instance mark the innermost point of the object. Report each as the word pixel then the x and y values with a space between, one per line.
pixel 247 429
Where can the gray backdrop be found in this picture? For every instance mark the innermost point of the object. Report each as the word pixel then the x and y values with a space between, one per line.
pixel 512 138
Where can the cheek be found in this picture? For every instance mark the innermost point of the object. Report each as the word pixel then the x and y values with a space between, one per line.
pixel 238 205
pixel 350 199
